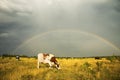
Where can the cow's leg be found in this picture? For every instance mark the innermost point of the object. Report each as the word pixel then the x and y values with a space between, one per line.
pixel 38 64
pixel 50 64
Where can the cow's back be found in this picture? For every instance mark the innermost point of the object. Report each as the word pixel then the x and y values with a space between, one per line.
pixel 50 56
pixel 43 58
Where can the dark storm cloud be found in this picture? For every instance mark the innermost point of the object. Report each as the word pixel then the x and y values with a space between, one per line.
pixel 23 19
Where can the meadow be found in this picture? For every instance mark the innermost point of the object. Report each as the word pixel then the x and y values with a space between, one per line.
pixel 71 69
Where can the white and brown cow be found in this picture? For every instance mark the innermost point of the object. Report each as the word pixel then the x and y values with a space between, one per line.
pixel 47 58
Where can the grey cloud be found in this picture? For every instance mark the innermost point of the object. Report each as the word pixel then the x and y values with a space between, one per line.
pixel 4 35
pixel 9 6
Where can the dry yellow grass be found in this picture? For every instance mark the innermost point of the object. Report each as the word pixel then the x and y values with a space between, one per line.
pixel 72 69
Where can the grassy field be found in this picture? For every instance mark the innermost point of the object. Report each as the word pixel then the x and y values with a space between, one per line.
pixel 72 69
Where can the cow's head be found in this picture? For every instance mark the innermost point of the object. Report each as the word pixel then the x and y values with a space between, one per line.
pixel 53 59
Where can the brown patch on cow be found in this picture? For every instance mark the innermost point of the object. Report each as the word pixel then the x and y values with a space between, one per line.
pixel 45 55
pixel 53 59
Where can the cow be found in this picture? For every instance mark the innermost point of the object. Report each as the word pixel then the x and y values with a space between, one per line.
pixel 18 58
pixel 47 58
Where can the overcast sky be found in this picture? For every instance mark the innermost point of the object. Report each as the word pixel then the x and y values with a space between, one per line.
pixel 62 27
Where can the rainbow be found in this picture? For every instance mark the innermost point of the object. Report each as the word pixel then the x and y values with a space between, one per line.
pixel 69 30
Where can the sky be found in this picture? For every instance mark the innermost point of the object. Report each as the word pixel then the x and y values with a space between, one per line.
pixel 67 28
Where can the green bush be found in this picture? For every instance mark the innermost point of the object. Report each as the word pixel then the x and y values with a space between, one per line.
pixel 111 58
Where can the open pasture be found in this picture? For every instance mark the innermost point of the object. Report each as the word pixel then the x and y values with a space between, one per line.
pixel 71 69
